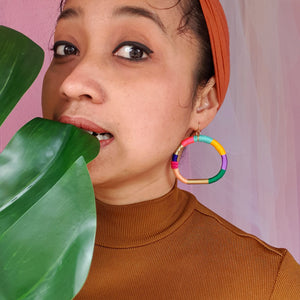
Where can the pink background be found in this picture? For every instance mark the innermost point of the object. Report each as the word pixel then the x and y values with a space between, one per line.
pixel 258 124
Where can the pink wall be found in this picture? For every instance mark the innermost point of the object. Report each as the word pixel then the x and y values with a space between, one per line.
pixel 37 21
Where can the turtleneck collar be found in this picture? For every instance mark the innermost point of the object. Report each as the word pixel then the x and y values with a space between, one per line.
pixel 134 225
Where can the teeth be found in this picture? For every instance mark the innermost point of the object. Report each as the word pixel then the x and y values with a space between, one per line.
pixel 104 136
pixel 100 136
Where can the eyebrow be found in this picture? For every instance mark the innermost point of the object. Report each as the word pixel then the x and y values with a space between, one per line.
pixel 69 13
pixel 141 12
pixel 124 10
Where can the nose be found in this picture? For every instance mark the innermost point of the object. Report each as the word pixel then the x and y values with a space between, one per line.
pixel 82 83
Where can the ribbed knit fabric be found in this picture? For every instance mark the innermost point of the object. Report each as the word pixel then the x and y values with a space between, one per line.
pixel 175 248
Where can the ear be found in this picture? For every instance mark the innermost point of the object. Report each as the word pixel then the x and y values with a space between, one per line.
pixel 205 107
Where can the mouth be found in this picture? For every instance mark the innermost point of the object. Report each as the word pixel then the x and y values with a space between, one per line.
pixel 103 136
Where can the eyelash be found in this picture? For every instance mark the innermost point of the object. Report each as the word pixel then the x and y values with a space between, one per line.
pixel 65 44
pixel 133 45
pixel 138 47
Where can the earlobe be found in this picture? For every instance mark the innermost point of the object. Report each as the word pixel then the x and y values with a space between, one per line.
pixel 206 105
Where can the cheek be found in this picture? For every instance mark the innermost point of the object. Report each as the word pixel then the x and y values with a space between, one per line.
pixel 50 97
pixel 160 98
pixel 155 114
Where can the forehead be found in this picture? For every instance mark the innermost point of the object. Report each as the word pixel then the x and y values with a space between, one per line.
pixel 165 13
pixel 158 4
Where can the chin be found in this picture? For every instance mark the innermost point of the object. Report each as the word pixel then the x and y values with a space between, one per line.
pixel 92 168
pixel 97 174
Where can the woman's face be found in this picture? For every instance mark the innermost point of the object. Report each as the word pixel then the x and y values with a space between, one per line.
pixel 121 68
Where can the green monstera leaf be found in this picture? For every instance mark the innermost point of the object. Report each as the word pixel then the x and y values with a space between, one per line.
pixel 47 211
pixel 20 63
pixel 47 205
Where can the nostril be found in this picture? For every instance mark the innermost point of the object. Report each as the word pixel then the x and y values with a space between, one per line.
pixel 87 96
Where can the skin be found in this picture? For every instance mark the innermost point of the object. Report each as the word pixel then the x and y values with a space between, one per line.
pixel 148 105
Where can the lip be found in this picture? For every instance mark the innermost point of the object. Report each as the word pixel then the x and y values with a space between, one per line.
pixel 82 123
pixel 85 125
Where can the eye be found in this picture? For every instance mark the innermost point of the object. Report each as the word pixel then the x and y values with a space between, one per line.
pixel 133 51
pixel 63 48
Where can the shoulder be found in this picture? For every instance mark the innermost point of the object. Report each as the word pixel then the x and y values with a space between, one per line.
pixel 245 253
pixel 219 224
pixel 287 285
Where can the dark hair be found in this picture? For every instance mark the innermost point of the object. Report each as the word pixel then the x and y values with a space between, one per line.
pixel 193 19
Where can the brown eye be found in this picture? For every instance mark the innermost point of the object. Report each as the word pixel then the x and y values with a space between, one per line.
pixel 63 48
pixel 132 51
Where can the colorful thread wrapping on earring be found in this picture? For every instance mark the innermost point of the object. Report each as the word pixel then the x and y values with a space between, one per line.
pixel 207 140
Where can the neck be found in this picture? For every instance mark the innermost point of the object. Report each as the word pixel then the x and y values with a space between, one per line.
pixel 136 189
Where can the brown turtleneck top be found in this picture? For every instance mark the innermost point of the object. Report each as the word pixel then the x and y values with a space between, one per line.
pixel 175 248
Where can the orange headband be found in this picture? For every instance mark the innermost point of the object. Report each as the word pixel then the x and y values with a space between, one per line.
pixel 219 39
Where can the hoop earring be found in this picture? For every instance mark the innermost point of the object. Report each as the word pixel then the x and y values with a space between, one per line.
pixel 207 140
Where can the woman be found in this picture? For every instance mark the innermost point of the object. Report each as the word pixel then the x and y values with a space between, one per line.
pixel 143 76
